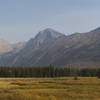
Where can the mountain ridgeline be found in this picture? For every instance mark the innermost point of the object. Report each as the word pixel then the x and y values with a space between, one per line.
pixel 51 47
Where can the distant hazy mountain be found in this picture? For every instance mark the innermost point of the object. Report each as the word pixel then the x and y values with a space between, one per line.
pixel 5 46
pixel 52 47
pixel 18 46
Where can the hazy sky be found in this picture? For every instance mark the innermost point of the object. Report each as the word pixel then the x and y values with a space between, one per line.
pixel 22 19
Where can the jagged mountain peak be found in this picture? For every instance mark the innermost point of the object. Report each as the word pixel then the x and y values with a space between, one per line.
pixel 48 29
pixel 43 37
pixel 49 33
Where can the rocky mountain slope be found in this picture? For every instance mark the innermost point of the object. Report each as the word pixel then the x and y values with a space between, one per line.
pixel 52 47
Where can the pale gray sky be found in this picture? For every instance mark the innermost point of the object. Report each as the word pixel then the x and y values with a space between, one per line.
pixel 22 19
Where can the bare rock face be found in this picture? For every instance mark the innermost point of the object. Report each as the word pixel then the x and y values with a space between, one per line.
pixel 43 38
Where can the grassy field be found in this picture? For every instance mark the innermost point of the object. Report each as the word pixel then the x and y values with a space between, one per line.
pixel 50 88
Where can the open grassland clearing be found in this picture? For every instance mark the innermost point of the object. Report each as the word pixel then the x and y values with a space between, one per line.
pixel 85 88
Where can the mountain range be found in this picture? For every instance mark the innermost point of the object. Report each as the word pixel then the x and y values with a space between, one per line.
pixel 52 47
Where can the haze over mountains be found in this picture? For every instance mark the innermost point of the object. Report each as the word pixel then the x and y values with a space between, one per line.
pixel 6 47
pixel 52 47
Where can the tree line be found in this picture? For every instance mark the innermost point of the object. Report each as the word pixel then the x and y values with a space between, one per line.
pixel 49 71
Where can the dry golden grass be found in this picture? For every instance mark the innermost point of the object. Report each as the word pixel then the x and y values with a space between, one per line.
pixel 86 88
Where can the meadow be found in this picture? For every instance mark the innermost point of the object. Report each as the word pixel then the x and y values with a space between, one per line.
pixel 66 88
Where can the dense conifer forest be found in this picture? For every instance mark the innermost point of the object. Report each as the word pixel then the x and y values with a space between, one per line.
pixel 49 71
